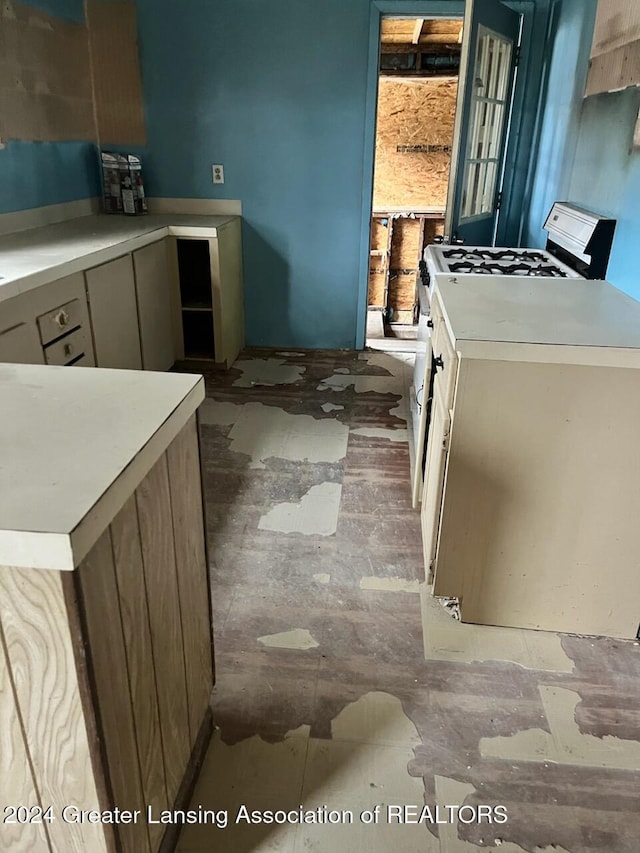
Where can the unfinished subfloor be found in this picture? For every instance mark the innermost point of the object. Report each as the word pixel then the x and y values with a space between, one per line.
pixel 323 694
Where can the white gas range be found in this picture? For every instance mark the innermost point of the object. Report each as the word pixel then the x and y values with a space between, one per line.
pixel 578 247
pixel 480 260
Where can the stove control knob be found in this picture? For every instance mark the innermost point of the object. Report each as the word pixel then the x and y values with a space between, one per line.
pixel 438 362
pixel 430 323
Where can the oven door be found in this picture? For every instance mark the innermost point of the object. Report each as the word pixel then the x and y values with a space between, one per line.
pixel 420 394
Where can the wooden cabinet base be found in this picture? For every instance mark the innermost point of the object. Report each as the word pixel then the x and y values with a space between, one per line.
pixel 106 672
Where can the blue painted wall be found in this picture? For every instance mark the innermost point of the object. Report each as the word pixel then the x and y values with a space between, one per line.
pixel 586 153
pixel 567 58
pixel 606 177
pixel 39 173
pixel 276 91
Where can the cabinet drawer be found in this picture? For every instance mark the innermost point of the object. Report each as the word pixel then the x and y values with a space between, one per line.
pixel 59 320
pixel 70 348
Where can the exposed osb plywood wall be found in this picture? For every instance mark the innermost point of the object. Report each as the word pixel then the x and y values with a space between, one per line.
pixel 46 70
pixel 117 82
pixel 45 79
pixel 615 53
pixel 416 112
pixel 396 262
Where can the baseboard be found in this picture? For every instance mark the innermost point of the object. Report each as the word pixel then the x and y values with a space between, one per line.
pixel 172 834
pixel 199 206
pixel 37 217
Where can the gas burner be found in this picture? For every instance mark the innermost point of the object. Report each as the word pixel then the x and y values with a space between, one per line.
pixel 500 267
pixel 508 255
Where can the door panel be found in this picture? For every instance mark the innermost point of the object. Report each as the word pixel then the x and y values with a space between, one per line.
pixel 487 68
pixel 111 291
pixel 153 289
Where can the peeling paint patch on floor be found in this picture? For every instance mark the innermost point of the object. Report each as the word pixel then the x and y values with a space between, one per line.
pixel 322 577
pixel 266 371
pixel 376 717
pixel 380 432
pixel 565 744
pixel 331 407
pixel 452 792
pixel 315 514
pixel 393 362
pixel 263 432
pixel 299 639
pixel 390 584
pixel 218 414
pixel 448 640
pixel 341 370
pixel 362 384
pixel 291 354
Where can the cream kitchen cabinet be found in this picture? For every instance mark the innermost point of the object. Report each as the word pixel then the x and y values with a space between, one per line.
pixel 532 477
pixel 47 325
pixel 154 285
pixel 111 293
pixel 211 294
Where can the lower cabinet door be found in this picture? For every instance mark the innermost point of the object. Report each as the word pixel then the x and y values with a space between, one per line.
pixel 111 292
pixel 437 448
pixel 20 344
pixel 153 289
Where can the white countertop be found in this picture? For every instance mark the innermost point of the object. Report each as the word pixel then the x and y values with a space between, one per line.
pixel 562 312
pixel 74 445
pixel 37 256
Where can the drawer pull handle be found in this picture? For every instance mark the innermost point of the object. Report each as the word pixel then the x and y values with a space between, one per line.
pixel 438 362
pixel 62 319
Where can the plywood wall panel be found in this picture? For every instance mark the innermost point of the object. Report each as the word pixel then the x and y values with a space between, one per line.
pixel 402 291
pixel 416 112
pixel 615 51
pixel 127 555
pixel 117 82
pixel 158 555
pixel 379 235
pixel 376 289
pixel 41 654
pixel 405 244
pixel 17 783
pixel 193 576
pixel 45 77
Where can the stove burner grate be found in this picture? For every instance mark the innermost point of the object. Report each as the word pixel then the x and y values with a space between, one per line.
pixel 515 256
pixel 499 267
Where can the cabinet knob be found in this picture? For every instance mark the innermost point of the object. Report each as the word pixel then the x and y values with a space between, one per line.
pixel 68 349
pixel 430 323
pixel 62 318
pixel 438 362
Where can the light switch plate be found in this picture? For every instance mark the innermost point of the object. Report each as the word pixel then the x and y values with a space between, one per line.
pixel 217 172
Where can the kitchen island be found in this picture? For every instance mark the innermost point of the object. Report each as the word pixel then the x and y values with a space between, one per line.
pixel 106 656
pixel 532 475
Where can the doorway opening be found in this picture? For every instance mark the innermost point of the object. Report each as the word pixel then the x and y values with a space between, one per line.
pixel 415 115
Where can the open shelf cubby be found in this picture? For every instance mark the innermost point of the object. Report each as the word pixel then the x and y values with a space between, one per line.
pixel 197 327
pixel 194 264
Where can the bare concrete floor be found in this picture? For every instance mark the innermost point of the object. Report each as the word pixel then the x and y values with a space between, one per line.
pixel 324 697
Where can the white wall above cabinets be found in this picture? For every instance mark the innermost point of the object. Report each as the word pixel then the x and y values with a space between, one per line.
pixel 615 52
